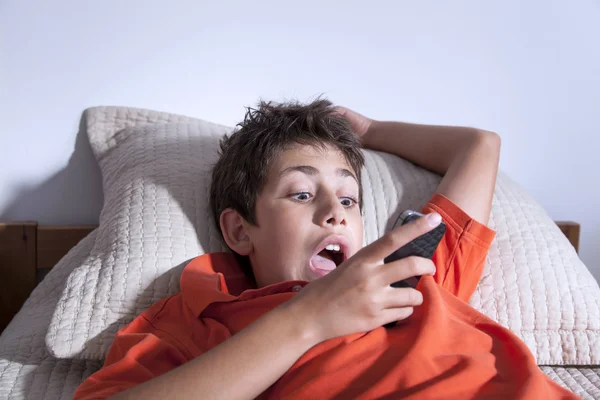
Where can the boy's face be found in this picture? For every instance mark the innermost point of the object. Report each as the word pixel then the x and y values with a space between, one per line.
pixel 310 201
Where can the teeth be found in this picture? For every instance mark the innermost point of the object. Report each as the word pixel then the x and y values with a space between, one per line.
pixel 333 247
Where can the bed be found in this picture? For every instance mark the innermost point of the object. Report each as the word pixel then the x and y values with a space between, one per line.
pixel 82 284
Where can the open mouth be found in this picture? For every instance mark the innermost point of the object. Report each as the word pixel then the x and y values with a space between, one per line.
pixel 332 252
pixel 337 257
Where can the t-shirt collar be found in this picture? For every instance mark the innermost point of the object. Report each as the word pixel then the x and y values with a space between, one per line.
pixel 218 277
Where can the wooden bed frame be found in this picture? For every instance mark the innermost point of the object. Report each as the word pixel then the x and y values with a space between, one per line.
pixel 28 251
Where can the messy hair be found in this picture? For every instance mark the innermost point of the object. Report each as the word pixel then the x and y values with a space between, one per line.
pixel 240 174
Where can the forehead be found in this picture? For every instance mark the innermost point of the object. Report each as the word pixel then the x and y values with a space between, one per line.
pixel 324 158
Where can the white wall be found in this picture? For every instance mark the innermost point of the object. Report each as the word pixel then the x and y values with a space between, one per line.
pixel 527 70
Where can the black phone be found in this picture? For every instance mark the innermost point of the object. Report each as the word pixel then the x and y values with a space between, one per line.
pixel 423 246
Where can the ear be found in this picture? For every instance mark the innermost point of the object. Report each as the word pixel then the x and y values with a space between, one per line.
pixel 233 227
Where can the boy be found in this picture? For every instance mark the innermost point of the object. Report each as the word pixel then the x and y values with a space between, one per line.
pixel 305 317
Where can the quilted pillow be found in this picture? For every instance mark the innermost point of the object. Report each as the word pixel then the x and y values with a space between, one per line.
pixel 156 175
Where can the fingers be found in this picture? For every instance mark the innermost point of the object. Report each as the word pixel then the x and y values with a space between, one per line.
pixel 340 110
pixel 396 238
pixel 396 314
pixel 402 297
pixel 409 267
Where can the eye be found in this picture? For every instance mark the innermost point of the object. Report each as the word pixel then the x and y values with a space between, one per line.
pixel 301 196
pixel 348 201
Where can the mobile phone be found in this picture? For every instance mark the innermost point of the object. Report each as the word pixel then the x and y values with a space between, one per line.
pixel 423 246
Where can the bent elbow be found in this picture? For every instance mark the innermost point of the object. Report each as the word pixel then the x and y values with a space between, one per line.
pixel 489 139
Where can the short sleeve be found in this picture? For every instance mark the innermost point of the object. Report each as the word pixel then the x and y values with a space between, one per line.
pixel 460 256
pixel 139 353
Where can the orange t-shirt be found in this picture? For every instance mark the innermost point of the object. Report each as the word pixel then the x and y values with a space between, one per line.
pixel 445 349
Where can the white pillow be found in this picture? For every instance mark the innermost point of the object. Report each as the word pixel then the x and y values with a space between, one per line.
pixel 156 172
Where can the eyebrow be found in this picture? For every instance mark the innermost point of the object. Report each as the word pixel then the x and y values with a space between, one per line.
pixel 311 171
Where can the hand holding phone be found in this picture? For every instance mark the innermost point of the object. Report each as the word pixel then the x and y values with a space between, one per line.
pixel 423 246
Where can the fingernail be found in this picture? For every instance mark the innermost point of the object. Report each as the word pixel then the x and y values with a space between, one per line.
pixel 433 219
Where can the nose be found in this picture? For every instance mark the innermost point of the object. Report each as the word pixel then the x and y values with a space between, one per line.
pixel 331 212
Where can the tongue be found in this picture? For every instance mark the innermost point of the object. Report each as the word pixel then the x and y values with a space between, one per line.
pixel 321 262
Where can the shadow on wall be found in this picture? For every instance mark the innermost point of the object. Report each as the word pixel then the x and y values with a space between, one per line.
pixel 72 196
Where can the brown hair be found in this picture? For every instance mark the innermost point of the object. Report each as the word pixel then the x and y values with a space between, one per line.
pixel 241 172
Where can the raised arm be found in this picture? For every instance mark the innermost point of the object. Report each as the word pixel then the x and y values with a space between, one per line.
pixel 466 157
